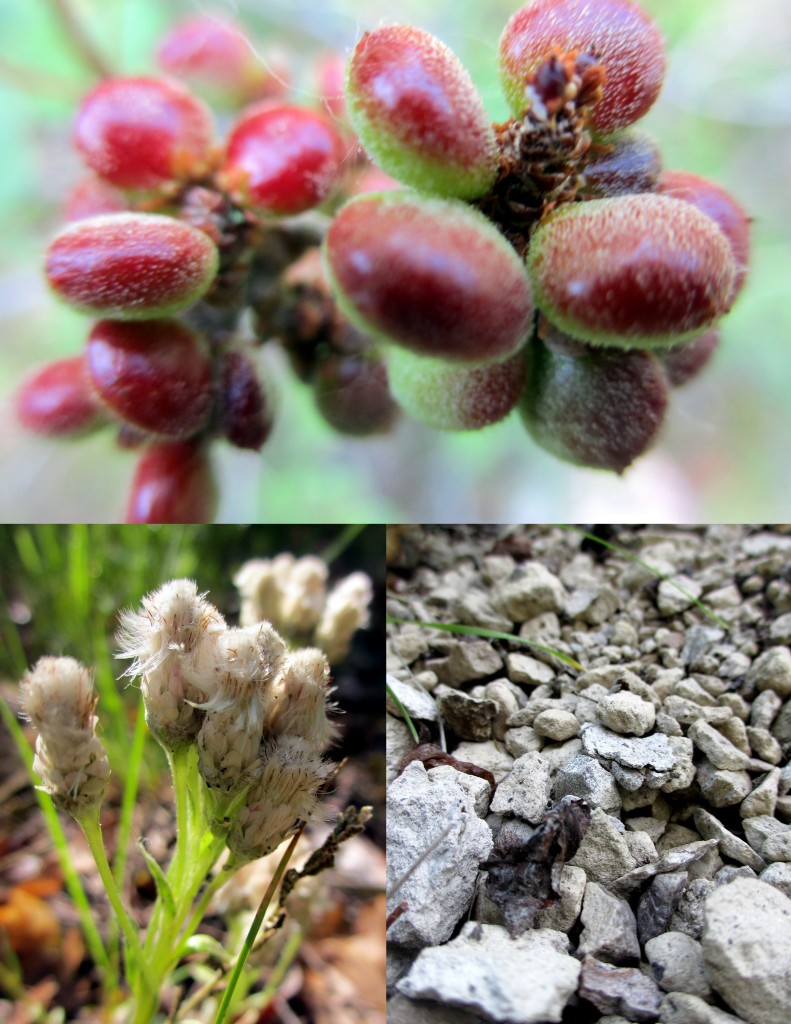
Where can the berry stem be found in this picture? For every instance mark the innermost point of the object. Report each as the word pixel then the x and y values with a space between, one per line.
pixel 80 43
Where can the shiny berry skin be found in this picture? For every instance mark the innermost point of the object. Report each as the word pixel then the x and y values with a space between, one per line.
pixel 600 408
pixel 430 274
pixel 91 196
pixel 216 59
pixel 711 199
pixel 139 133
pixel 242 407
pixel 282 159
pixel 353 395
pixel 173 483
pixel 131 266
pixel 630 163
pixel 155 375
pixel 418 113
pixel 683 362
pixel 452 396
pixel 618 32
pixel 57 400
pixel 633 271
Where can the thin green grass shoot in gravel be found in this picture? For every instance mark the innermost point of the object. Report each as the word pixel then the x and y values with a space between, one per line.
pixel 649 568
pixel 490 634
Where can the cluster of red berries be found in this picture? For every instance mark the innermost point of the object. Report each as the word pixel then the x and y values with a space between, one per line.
pixel 171 238
pixel 548 263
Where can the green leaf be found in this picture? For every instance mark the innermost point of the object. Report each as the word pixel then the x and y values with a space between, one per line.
pixel 209 947
pixel 163 887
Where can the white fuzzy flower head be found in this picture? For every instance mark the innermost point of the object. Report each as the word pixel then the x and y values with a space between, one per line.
pixel 285 793
pixel 304 596
pixel 247 660
pixel 261 583
pixel 298 705
pixel 175 628
pixel 346 611
pixel 173 619
pixel 58 697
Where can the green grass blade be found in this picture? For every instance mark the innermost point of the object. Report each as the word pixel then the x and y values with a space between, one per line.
pixel 336 547
pixel 404 712
pixel 649 568
pixel 247 946
pixel 490 634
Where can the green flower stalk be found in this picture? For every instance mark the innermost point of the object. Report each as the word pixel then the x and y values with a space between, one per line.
pixel 58 698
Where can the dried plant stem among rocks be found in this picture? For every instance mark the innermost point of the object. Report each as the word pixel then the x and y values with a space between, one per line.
pixel 634 863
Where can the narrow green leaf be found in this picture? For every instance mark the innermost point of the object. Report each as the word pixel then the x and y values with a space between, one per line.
pixel 163 887
pixel 492 634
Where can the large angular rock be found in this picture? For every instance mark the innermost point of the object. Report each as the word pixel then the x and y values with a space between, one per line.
pixel 677 964
pixel 609 928
pixel 772 671
pixel 440 890
pixel 524 980
pixel 747 949
pixel 585 777
pixel 684 1008
pixel 623 990
pixel 624 712
pixel 473 659
pixel 533 591
pixel 603 853
pixel 641 752
pixel 526 790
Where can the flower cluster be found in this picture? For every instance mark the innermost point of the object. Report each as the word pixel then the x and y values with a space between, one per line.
pixel 58 698
pixel 171 237
pixel 548 263
pixel 292 594
pixel 256 712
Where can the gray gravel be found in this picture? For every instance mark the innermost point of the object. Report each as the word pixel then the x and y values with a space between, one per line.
pixel 676 906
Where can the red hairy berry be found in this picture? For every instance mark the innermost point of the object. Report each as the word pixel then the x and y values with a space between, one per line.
pixel 57 399
pixel 418 113
pixel 432 275
pixel 632 271
pixel 599 408
pixel 173 483
pixel 92 196
pixel 131 265
pixel 218 61
pixel 282 159
pixel 617 32
pixel 156 375
pixel 243 410
pixel 141 132
pixel 683 362
pixel 452 396
pixel 353 395
pixel 718 204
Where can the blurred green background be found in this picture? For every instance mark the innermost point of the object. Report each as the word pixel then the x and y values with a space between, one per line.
pixel 724 113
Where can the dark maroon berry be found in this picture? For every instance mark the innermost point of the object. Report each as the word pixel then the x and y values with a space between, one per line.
pixel 600 409
pixel 352 394
pixel 243 409
pixel 685 361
